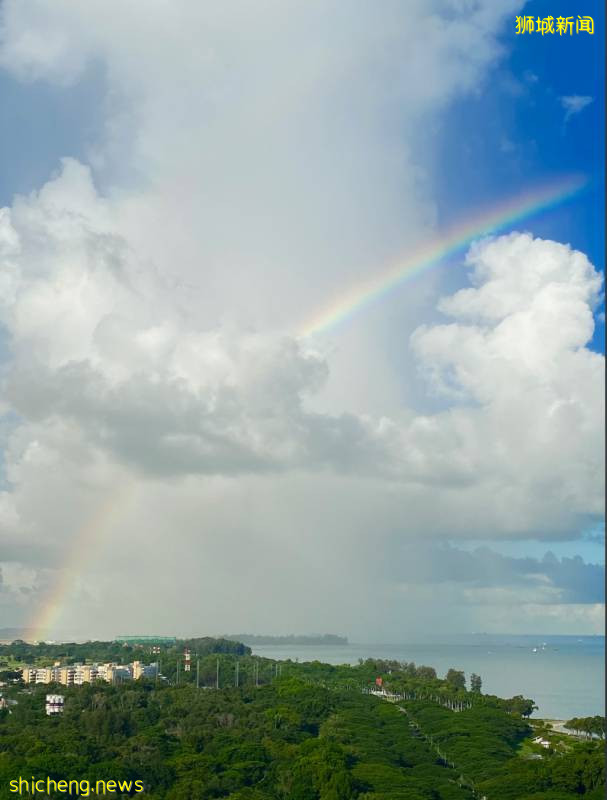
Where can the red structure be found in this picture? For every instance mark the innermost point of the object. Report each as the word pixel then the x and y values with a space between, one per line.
pixel 379 682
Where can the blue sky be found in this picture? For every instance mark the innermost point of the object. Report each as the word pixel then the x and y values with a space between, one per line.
pixel 40 123
pixel 516 136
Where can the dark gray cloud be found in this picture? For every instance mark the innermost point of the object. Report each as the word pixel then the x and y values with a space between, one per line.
pixel 574 579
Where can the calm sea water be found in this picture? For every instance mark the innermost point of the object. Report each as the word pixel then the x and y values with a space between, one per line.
pixel 565 675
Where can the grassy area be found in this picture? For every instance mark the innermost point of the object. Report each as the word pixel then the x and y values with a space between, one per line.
pixel 8 662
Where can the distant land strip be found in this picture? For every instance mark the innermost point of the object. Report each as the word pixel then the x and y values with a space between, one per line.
pixel 9 635
pixel 312 639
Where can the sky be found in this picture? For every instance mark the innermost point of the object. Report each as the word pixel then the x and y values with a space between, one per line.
pixel 187 190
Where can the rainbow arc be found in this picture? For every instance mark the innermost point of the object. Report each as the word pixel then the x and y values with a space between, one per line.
pixel 434 251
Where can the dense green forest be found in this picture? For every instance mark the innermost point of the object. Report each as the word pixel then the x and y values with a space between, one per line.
pixel 120 652
pixel 291 731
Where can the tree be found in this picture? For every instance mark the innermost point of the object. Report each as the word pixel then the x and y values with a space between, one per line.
pixel 456 679
pixel 10 675
pixel 426 673
pixel 521 705
pixel 476 683
pixel 587 725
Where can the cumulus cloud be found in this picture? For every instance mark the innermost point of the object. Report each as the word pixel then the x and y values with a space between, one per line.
pixel 97 345
pixel 98 348
pixel 265 157
pixel 112 383
pixel 161 409
pixel 515 360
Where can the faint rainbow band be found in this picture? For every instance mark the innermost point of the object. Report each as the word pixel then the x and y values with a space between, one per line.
pixel 85 544
pixel 432 252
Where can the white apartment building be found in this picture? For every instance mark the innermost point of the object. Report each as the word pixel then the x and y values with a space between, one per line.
pixel 55 704
pixel 140 670
pixel 78 674
pixel 44 675
pixel 28 674
pixel 85 673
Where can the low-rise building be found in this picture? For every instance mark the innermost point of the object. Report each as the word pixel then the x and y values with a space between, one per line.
pixel 54 704
pixel 85 673
pixel 78 674
pixel 140 670
pixel 541 741
pixel 65 675
pixel 37 674
pixel 28 674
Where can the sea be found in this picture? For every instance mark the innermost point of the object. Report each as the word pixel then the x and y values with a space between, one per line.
pixel 565 675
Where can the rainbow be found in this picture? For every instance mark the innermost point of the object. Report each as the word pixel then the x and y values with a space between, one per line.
pixel 430 253
pixel 433 251
pixel 85 544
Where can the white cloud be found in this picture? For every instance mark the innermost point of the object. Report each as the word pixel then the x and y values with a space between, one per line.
pixel 268 157
pixel 574 103
pixel 97 345
pixel 112 384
